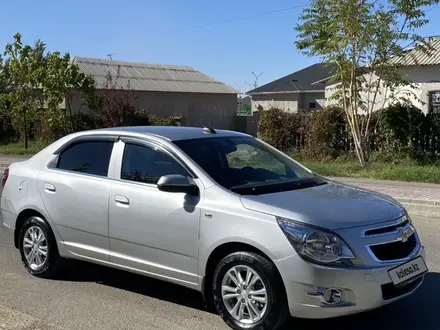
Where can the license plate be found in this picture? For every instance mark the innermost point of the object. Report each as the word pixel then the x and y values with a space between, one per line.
pixel 408 270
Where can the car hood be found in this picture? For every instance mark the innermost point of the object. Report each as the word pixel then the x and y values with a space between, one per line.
pixel 332 205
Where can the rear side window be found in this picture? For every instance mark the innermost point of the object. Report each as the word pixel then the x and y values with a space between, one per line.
pixel 91 157
pixel 147 165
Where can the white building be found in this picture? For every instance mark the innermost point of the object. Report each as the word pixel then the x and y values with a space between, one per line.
pixel 293 92
pixel 418 67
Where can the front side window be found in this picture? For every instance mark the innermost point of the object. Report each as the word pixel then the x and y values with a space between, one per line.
pixel 148 165
pixel 247 166
pixel 91 157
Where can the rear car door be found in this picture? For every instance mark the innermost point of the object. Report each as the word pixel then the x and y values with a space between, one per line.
pixel 152 230
pixel 75 189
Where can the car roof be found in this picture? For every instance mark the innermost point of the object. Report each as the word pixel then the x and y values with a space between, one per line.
pixel 171 133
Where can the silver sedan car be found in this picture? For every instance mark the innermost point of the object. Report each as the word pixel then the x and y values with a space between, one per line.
pixel 260 236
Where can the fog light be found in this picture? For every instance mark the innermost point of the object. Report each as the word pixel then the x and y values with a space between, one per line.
pixel 332 296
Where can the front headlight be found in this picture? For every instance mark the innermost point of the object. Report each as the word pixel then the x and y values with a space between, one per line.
pixel 315 245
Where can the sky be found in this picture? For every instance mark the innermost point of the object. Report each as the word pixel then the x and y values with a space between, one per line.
pixel 227 40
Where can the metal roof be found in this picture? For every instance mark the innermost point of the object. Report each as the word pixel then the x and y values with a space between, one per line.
pixel 151 77
pixel 171 133
pixel 419 56
pixel 300 81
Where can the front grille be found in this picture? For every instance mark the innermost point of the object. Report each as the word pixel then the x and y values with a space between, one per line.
pixel 394 250
pixel 390 291
pixel 385 230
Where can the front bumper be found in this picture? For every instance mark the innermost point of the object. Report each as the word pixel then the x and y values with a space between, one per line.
pixel 363 289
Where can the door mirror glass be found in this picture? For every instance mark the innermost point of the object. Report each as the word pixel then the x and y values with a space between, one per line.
pixel 177 183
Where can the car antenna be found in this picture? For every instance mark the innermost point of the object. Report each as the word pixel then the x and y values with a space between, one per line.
pixel 208 130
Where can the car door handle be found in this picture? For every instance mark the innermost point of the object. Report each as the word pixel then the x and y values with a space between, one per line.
pixel 49 187
pixel 122 200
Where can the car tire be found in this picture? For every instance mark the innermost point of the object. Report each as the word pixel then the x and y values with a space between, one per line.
pixel 34 229
pixel 275 313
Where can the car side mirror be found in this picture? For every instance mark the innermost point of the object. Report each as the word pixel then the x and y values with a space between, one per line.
pixel 178 184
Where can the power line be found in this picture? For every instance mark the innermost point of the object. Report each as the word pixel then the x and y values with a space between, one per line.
pixel 242 17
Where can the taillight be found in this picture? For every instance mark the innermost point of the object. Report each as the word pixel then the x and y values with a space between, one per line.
pixel 5 177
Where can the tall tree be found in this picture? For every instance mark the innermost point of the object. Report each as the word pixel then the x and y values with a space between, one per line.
pixel 3 89
pixel 4 103
pixel 361 37
pixel 24 69
pixel 62 79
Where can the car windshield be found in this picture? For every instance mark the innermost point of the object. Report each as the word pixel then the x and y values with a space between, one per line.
pixel 247 166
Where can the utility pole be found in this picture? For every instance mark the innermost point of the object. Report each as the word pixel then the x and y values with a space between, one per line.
pixel 256 78
pixel 255 84
pixel 110 56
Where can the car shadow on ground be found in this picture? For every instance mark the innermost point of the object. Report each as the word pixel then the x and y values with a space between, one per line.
pixel 417 311
pixel 78 271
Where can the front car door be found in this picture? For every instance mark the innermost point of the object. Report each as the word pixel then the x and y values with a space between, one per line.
pixel 150 230
pixel 75 189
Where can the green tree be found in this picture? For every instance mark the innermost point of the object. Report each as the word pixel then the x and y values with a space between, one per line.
pixel 360 37
pixel 23 69
pixel 62 79
pixel 4 105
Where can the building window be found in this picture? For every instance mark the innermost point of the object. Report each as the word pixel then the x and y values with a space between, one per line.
pixel 434 102
pixel 312 105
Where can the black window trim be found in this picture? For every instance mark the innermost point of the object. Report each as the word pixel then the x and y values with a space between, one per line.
pixel 86 138
pixel 151 144
pixel 53 163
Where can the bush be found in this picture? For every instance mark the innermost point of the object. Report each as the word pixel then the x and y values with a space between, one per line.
pixel 399 128
pixel 141 117
pixel 280 129
pixel 317 134
pixel 396 133
pixel 326 133
pixel 82 122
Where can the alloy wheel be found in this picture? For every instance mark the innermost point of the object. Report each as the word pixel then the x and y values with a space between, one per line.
pixel 244 294
pixel 35 248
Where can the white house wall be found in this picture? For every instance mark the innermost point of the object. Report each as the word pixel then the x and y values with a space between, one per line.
pixel 285 101
pixel 425 80
pixel 289 102
pixel 307 98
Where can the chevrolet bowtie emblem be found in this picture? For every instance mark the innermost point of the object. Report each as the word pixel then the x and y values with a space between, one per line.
pixel 405 233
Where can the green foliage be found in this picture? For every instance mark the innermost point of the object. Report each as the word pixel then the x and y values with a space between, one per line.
pixel 61 78
pixel 33 86
pixel 404 170
pixel 399 126
pixel 17 148
pixel 359 38
pixel 23 72
pixel 82 122
pixel 141 117
pixel 399 132
pixel 325 133
pixel 279 128
pixel 316 135
pixel 37 89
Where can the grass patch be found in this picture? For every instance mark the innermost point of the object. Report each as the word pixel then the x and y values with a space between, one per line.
pixel 18 148
pixel 401 171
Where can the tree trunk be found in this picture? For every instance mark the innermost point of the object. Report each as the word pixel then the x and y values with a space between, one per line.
pixel 25 132
pixel 72 126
